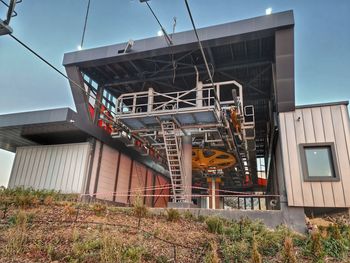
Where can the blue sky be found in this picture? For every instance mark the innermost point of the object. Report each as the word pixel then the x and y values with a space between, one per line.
pixel 51 27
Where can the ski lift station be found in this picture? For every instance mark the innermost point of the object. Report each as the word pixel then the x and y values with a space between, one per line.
pixel 179 125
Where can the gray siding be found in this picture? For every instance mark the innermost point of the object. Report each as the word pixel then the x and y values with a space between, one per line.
pixel 58 167
pixel 315 125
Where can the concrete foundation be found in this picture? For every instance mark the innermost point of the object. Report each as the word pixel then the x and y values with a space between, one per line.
pixel 181 205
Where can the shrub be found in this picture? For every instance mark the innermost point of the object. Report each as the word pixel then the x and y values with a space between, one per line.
pixel 214 225
pixel 172 215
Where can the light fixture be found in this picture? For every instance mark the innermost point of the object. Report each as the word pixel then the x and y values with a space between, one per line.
pixel 160 33
pixel 268 11
pixel 79 47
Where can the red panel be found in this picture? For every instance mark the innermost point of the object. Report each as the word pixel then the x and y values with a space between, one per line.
pixel 160 201
pixel 138 179
pixel 149 185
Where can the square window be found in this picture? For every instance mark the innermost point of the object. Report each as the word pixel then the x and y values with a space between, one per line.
pixel 318 162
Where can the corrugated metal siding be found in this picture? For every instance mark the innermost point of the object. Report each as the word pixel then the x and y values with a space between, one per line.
pixel 59 167
pixel 316 124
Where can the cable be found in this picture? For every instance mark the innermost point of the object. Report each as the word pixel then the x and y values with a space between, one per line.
pixel 86 18
pixel 168 39
pixel 98 102
pixel 200 43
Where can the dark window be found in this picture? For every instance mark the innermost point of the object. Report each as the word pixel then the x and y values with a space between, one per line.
pixel 318 162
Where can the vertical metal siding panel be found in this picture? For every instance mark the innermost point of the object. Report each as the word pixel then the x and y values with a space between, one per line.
pixel 285 158
pixel 327 189
pixel 82 173
pixel 342 152
pixel 123 179
pixel 15 167
pixel 26 179
pixel 60 175
pixel 66 170
pixel 56 167
pixel 45 174
pixel 72 171
pixel 94 167
pixel 293 160
pixel 36 164
pixel 300 138
pixel 107 173
pixel 40 167
pixel 339 199
pixel 49 174
pixel 310 138
pixel 20 175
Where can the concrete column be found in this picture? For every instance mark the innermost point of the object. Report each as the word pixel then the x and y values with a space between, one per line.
pixel 187 166
pixel 213 190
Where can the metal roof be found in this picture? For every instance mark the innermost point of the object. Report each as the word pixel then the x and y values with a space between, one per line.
pixel 246 51
pixel 38 127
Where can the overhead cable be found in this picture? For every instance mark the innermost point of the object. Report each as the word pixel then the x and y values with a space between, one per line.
pixel 86 19
pixel 199 43
pixel 168 39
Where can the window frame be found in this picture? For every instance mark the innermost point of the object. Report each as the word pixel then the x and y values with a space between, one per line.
pixel 333 161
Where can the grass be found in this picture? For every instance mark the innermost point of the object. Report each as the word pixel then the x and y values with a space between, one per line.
pixel 38 227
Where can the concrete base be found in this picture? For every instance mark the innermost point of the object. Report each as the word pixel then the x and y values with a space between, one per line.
pixel 293 217
pixel 181 205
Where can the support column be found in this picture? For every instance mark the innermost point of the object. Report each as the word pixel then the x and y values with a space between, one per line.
pixel 214 194
pixel 187 166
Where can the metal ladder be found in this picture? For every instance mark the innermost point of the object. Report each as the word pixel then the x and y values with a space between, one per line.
pixel 173 152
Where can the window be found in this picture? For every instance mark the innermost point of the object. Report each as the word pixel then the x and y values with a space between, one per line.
pixel 318 162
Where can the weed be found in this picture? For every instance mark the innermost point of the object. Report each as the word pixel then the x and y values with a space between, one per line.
pixel 139 209
pixel 162 259
pixel 316 246
pixel 132 254
pixel 188 215
pixel 111 249
pixel 256 256
pixel 69 209
pixel 211 255
pixel 99 209
pixel 236 252
pixel 201 218
pixel 17 236
pixel 214 225
pixel 288 251
pixel 172 215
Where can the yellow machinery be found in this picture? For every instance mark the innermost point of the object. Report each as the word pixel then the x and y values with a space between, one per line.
pixel 206 160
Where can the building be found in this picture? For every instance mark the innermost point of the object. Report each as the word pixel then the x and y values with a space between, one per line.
pixel 150 122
